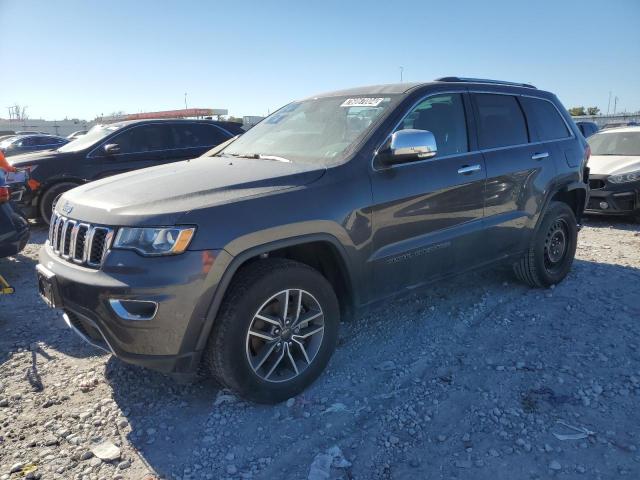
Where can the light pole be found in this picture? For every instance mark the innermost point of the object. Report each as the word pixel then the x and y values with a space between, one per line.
pixel 401 72
pixel 185 100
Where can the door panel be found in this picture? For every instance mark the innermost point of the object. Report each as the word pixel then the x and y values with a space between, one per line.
pixel 427 221
pixel 516 182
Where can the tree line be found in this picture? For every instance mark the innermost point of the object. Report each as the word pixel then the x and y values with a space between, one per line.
pixel 579 111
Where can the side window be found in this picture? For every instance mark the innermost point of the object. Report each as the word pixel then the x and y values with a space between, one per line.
pixel 197 135
pixel 544 119
pixel 144 138
pixel 28 142
pixel 47 141
pixel 501 122
pixel 442 115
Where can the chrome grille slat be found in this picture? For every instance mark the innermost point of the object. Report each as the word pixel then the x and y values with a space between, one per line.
pixel 67 237
pixel 81 243
pixel 56 234
pixel 52 226
pixel 81 236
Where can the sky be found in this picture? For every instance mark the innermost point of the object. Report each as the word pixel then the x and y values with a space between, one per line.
pixel 85 58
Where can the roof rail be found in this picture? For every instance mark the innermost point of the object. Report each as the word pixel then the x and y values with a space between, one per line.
pixel 483 80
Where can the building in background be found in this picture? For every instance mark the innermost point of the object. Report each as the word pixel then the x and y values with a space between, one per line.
pixel 53 127
pixel 615 119
pixel 249 121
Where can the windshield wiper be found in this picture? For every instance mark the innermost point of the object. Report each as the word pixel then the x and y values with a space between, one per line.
pixel 259 156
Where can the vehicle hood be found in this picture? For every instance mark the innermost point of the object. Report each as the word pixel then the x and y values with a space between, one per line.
pixel 613 164
pixel 26 159
pixel 159 195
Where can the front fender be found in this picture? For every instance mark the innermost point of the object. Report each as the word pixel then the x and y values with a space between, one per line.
pixel 227 264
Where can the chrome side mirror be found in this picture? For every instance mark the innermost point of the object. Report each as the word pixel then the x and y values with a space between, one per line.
pixel 111 148
pixel 407 146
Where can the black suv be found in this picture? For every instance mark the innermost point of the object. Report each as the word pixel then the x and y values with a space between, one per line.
pixel 115 148
pixel 247 264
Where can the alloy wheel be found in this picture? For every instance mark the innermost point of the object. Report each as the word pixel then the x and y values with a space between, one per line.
pixel 285 335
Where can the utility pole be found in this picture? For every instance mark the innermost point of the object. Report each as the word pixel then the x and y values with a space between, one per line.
pixel 615 105
pixel 401 72
pixel 185 100
pixel 609 104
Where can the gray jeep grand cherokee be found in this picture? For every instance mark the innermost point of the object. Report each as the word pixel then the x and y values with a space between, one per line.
pixel 245 260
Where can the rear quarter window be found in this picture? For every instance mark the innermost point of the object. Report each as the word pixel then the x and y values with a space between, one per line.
pixel 544 119
pixel 198 135
pixel 501 121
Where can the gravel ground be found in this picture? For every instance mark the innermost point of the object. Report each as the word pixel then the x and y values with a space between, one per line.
pixel 478 378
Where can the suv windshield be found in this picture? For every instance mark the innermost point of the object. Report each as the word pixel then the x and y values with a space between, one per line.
pixel 319 130
pixel 92 137
pixel 615 143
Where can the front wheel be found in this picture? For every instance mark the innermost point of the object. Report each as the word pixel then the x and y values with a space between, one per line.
pixel 552 250
pixel 51 197
pixel 275 332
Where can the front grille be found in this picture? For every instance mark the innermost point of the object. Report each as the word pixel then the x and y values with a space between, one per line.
pixel 596 183
pixel 77 242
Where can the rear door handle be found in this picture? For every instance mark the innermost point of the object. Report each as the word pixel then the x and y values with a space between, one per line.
pixel 468 169
pixel 539 156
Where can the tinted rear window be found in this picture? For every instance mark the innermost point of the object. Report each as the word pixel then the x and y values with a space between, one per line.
pixel 198 135
pixel 544 119
pixel 501 121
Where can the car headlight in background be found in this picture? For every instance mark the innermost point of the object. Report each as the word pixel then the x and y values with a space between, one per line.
pixel 154 240
pixel 625 177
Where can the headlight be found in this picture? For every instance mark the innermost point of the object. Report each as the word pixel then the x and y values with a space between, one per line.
pixel 625 177
pixel 154 240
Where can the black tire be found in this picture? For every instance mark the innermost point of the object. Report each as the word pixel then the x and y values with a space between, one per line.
pixel 546 262
pixel 50 197
pixel 230 345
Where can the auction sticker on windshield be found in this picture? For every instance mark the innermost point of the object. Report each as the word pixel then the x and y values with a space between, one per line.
pixel 362 102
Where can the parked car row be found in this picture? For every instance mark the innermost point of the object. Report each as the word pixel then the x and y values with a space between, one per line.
pixel 114 148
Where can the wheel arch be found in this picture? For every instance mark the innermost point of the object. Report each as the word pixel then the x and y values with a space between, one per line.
pixel 51 183
pixel 321 251
pixel 573 194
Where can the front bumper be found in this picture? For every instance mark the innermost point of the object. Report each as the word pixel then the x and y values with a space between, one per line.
pixel 610 198
pixel 180 286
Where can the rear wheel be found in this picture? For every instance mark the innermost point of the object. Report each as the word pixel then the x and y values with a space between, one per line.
pixel 551 253
pixel 51 196
pixel 275 331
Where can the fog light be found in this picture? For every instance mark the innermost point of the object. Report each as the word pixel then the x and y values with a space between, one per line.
pixel 134 309
pixel 604 205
